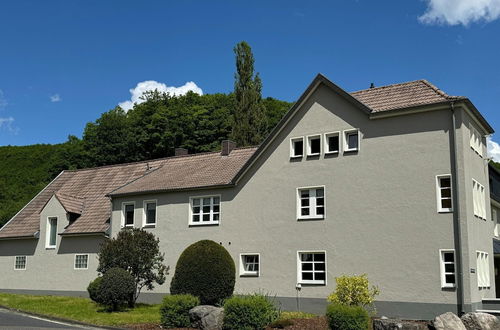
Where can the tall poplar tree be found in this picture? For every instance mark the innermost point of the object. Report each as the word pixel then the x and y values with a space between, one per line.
pixel 249 121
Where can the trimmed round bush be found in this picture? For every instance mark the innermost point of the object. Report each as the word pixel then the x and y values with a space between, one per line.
pixel 344 317
pixel 206 270
pixel 249 312
pixel 174 310
pixel 117 286
pixel 94 289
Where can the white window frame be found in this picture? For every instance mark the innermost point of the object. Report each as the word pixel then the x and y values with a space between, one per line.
pixel 299 268
pixel 309 139
pixel 47 233
pixel 439 197
pixel 292 147
pixel 87 264
pixel 494 217
pixel 145 215
pixel 311 205
pixel 123 224
pixel 201 222
pixel 327 143
pixel 346 141
pixel 443 273
pixel 25 262
pixel 478 199
pixel 476 141
pixel 246 273
pixel 483 269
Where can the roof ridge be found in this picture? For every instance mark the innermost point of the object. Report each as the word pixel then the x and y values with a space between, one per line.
pixel 154 160
pixel 387 86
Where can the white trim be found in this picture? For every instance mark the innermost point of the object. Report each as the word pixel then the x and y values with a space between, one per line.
pixel 292 147
pixel 122 224
pixel 201 222
pixel 483 269
pixel 245 273
pixel 442 269
pixel 308 149
pixel 25 262
pixel 298 205
pixel 476 140
pixel 439 198
pixel 87 263
pixel 346 142
pixel 478 199
pixel 47 233
pixel 41 191
pixel 494 218
pixel 299 268
pixel 144 214
pixel 327 143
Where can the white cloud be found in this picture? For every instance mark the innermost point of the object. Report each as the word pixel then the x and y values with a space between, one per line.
pixel 456 12
pixel 493 150
pixel 55 98
pixel 7 124
pixel 151 85
pixel 3 101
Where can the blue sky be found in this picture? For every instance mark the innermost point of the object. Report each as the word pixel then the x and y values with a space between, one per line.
pixel 63 63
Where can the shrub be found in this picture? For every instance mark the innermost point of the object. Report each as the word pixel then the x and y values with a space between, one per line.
pixel 345 317
pixel 117 286
pixel 281 324
pixel 174 310
pixel 94 289
pixel 249 312
pixel 353 291
pixel 206 270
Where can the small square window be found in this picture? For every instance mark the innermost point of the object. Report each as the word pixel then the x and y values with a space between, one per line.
pixel 250 264
pixel 81 261
pixel 297 147
pixel 205 210
pixel 351 140
pixel 311 268
pixel 20 263
pixel 314 145
pixel 332 143
pixel 311 203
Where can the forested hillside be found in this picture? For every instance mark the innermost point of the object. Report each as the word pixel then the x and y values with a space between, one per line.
pixel 150 130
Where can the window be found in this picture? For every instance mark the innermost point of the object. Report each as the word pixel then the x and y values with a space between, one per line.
pixel 205 210
pixel 332 143
pixel 311 268
pixel 297 147
pixel 478 199
pixel 20 263
pixel 51 233
pixel 249 264
pixel 351 140
pixel 149 208
pixel 81 261
pixel 311 203
pixel 314 145
pixel 483 269
pixel 476 142
pixel 128 214
pixel 494 217
pixel 447 262
pixel 444 193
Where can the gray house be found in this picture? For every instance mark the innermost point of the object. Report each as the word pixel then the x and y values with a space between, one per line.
pixel 389 181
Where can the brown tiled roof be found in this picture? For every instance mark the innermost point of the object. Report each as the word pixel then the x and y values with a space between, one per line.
pixel 72 204
pixel 203 170
pixel 401 96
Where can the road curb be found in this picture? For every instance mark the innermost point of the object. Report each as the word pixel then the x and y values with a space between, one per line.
pixel 58 319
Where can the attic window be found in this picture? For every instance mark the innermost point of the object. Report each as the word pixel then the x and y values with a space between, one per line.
pixel 314 145
pixel 351 140
pixel 297 147
pixel 332 143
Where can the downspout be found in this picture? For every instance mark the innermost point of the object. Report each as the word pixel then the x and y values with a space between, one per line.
pixel 456 217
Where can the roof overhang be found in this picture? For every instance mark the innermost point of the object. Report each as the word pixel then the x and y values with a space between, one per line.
pixel 159 191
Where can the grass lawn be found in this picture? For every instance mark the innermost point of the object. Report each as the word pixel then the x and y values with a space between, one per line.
pixel 80 309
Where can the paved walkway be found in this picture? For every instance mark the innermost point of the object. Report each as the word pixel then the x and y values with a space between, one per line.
pixel 16 320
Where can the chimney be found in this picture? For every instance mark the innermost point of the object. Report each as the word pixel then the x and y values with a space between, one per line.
pixel 181 151
pixel 227 147
pixel 372 85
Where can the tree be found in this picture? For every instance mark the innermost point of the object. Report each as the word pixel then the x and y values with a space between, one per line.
pixel 138 252
pixel 249 121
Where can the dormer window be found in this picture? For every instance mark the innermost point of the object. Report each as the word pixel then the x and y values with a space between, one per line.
pixel 297 147
pixel 314 145
pixel 351 140
pixel 51 240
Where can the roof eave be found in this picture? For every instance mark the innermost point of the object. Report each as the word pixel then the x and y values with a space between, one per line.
pixel 158 191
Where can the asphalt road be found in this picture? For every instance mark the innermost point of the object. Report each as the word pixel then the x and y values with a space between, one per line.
pixel 15 320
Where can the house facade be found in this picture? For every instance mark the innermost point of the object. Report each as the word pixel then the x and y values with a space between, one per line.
pixel 389 181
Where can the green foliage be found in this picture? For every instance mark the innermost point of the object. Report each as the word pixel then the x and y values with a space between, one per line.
pixel 354 291
pixel 296 315
pixel 346 317
pixel 206 270
pixel 94 289
pixel 116 287
pixel 175 310
pixel 249 312
pixel 138 252
pixel 281 324
pixel 249 119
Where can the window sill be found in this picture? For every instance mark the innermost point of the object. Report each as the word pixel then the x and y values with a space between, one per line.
pixel 80 268
pixel 149 226
pixel 314 155
pixel 351 150
pixel 249 274
pixel 298 156
pixel 445 211
pixel 50 248
pixel 312 283
pixel 332 153
pixel 196 224
pixel 310 218
pixel 19 268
